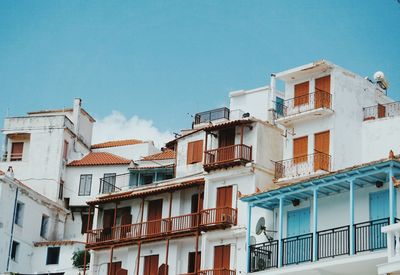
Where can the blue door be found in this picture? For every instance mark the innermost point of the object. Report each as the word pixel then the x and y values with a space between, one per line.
pixel 297 247
pixel 378 212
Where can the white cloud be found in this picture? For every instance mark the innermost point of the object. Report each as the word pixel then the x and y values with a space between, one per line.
pixel 116 126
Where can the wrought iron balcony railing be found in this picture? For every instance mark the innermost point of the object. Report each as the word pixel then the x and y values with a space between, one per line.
pixel 114 183
pixel 303 165
pixel 211 115
pixel 217 271
pixel 304 103
pixel 382 110
pixel 238 153
pixel 330 243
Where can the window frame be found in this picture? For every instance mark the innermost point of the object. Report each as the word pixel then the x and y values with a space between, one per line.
pixel 19 214
pixel 14 251
pixel 111 186
pixel 44 226
pixel 83 191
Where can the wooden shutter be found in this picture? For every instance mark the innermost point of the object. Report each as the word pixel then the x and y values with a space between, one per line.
pixel 301 93
pixel 16 151
pixel 115 267
pixel 154 216
pixel 108 218
pixel 381 111
pixel 65 152
pixel 224 196
pixel 195 151
pixel 151 265
pixel 321 145
pixel 322 92
pixel 300 149
pixel 191 262
pixel 226 137
pixel 222 256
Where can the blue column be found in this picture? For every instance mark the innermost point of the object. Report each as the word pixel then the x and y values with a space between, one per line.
pixel 351 216
pixel 315 223
pixel 249 207
pixel 280 233
pixel 392 204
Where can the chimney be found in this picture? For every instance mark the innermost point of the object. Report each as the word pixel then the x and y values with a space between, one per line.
pixel 75 114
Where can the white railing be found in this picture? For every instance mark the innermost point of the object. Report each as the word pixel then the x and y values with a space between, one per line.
pixel 393 241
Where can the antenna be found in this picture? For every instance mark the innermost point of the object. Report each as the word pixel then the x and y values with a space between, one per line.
pixel 260 228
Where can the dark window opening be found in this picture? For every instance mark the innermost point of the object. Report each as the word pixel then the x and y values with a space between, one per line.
pixel 53 255
pixel 44 226
pixel 14 251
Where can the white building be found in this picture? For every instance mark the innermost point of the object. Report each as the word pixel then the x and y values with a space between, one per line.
pixel 334 187
pixel 28 220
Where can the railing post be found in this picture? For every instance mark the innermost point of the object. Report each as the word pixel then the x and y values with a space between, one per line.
pixel 315 224
pixel 392 199
pixel 280 233
pixel 351 218
pixel 249 207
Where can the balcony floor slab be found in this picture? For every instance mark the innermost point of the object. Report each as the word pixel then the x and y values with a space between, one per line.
pixel 304 116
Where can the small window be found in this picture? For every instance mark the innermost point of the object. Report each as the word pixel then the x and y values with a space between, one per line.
pixel 61 190
pixel 19 213
pixel 65 152
pixel 109 182
pixel 85 185
pixel 195 152
pixel 14 251
pixel 16 151
pixel 53 255
pixel 147 178
pixel 44 226
pixel 84 217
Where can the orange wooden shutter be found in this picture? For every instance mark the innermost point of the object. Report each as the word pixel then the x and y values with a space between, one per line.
pixel 322 92
pixel 151 265
pixel 222 256
pixel 190 153
pixel 321 145
pixel 381 111
pixel 195 151
pixel 301 92
pixel 65 153
pixel 16 150
pixel 300 149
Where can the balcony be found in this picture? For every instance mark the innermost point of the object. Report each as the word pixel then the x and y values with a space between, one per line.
pixel 381 111
pixel 330 243
pixel 302 166
pixel 302 108
pixel 219 271
pixel 169 227
pixel 238 154
pixel 212 115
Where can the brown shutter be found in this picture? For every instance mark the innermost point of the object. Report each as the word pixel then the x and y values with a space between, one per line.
pixel 301 93
pixel 154 216
pixel 322 92
pixel 115 268
pixel 16 151
pixel 381 111
pixel 321 145
pixel 195 151
pixel 300 149
pixel 65 153
pixel 151 265
pixel 108 218
pixel 190 153
pixel 222 257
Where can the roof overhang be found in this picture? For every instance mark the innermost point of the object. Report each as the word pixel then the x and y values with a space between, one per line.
pixel 304 71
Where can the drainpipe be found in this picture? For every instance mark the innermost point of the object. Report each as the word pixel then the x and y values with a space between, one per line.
pixel 12 228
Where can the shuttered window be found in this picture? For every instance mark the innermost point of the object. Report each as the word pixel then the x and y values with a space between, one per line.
pixel 195 152
pixel 85 185
pixel 300 149
pixel 301 93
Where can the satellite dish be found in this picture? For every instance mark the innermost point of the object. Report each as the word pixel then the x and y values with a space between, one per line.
pixel 260 227
pixel 253 240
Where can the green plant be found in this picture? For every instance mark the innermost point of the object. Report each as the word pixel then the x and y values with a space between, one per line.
pixel 78 258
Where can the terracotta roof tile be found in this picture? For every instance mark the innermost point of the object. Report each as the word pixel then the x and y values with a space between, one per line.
pixel 147 191
pixel 167 154
pixel 99 158
pixel 57 243
pixel 116 143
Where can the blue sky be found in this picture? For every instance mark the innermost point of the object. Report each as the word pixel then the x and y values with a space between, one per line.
pixel 165 60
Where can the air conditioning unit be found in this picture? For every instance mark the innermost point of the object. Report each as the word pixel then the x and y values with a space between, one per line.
pixel 259 263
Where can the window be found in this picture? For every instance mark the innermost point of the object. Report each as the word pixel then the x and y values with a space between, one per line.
pixel 85 185
pixel 44 226
pixel 53 255
pixel 192 260
pixel 61 190
pixel 109 182
pixel 19 213
pixel 16 151
pixel 84 217
pixel 279 106
pixel 195 152
pixel 147 178
pixel 65 152
pixel 14 251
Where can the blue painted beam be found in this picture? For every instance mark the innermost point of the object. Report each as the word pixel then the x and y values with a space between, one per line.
pixel 315 223
pixel 392 192
pixel 280 232
pixel 351 217
pixel 249 207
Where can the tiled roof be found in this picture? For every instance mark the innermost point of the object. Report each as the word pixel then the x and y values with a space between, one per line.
pixel 116 143
pixel 167 154
pixel 147 191
pixel 228 124
pixel 56 243
pixel 99 158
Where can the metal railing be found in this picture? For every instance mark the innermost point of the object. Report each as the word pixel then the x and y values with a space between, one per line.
pixel 263 256
pixel 304 103
pixel 11 157
pixel 333 242
pixel 382 110
pixel 368 235
pixel 303 165
pixel 217 271
pixel 227 154
pixel 297 249
pixel 211 115
pixel 111 184
pixel 161 227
